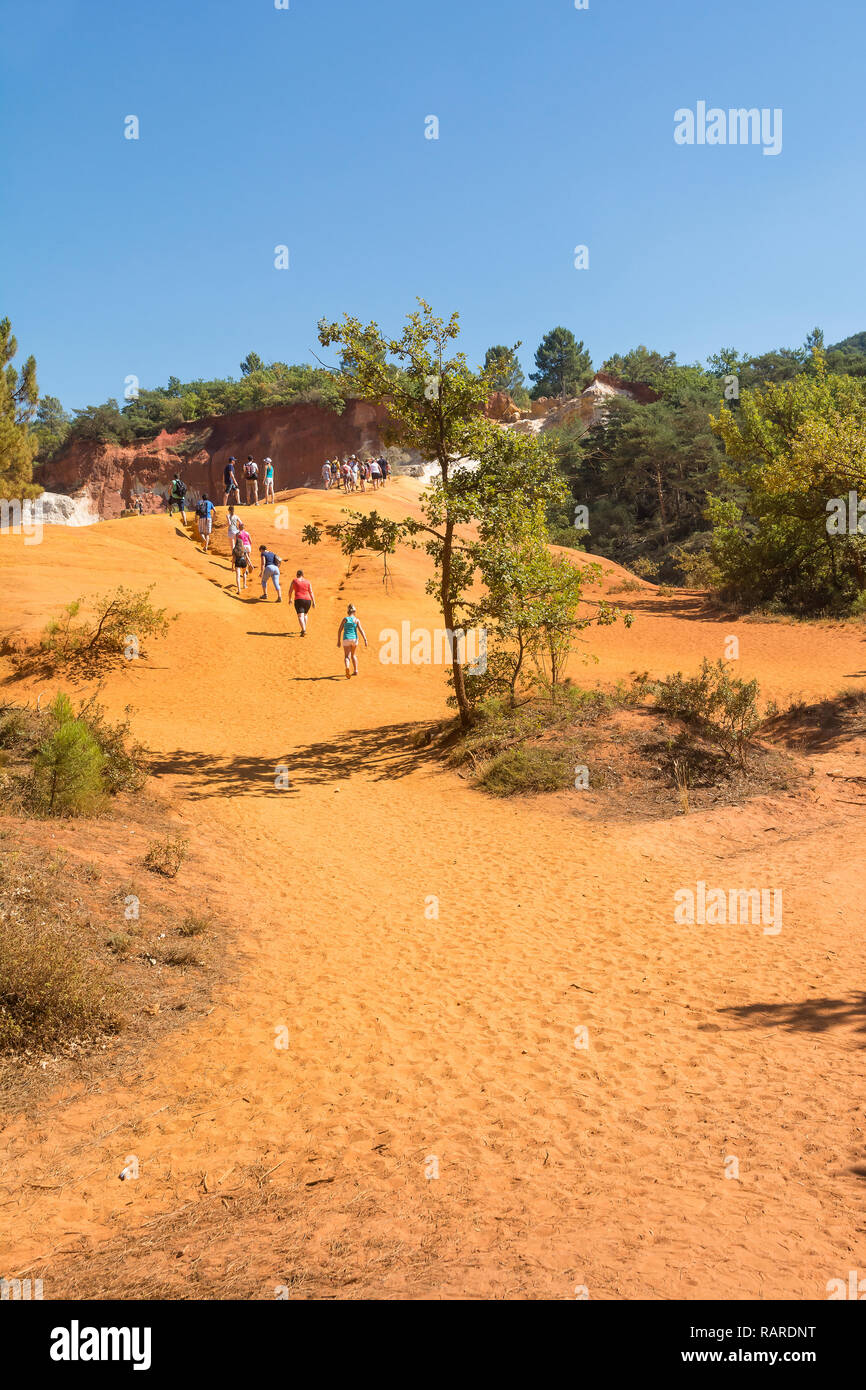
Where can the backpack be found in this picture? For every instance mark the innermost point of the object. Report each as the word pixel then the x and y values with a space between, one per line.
pixel 250 470
pixel 178 488
pixel 201 508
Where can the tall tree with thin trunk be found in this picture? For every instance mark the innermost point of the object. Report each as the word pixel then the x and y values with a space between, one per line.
pixel 435 403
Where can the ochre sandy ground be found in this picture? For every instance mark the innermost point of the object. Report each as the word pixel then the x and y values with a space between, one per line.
pixel 417 1042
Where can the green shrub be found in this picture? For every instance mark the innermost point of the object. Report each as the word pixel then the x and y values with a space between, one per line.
pixel 68 768
pixel 723 707
pixel 698 568
pixel 124 768
pixel 106 637
pixel 527 770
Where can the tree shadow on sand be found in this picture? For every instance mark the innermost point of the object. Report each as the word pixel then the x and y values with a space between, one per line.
pixel 806 1015
pixel 697 606
pixel 378 754
pixel 823 725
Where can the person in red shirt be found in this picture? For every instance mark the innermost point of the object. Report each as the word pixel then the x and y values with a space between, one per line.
pixel 302 591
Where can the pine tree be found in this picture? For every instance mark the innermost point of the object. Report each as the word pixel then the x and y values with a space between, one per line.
pixel 69 765
pixel 563 365
pixel 19 395
pixel 501 364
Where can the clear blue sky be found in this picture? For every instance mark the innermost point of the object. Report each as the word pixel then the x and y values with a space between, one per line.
pixel 306 127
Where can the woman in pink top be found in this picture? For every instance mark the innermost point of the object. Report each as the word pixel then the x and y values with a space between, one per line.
pixel 302 591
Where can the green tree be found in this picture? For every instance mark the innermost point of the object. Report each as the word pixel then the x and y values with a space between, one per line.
pixel 503 368
pixel 50 427
pixel 252 363
pixel 19 395
pixel 562 365
pixel 795 449
pixel 644 470
pixel 530 609
pixel 69 765
pixel 436 402
pixel 641 364
pixel 104 423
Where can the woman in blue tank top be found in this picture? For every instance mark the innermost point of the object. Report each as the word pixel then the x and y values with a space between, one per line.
pixel 347 633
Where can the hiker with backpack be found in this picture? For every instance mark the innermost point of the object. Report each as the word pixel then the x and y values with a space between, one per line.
pixel 204 511
pixel 251 481
pixel 241 558
pixel 176 495
pixel 270 569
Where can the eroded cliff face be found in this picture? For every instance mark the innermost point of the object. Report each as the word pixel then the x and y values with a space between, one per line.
pixel 298 438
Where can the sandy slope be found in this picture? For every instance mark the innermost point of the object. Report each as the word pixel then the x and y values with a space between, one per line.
pixel 413 1039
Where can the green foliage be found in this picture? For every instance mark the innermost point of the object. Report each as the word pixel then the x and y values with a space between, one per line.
pixel 104 424
pixel 644 470
pixel 103 638
pixel 123 768
pixel 503 368
pixel 169 407
pixel 68 769
pixel 792 447
pixel 527 770
pixel 641 364
pixel 436 403
pixel 19 395
pixel 50 427
pixel 724 708
pixel 698 568
pixel 562 365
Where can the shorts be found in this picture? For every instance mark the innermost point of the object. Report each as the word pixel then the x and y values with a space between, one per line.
pixel 205 525
pixel 302 605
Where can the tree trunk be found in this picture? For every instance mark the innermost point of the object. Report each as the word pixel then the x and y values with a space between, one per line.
pixel 448 615
pixel 658 475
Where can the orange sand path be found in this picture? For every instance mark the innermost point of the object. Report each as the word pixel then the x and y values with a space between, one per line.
pixel 413 1040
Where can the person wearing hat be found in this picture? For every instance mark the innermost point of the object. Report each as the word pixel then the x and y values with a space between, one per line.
pixel 233 492
pixel 269 480
pixel 251 481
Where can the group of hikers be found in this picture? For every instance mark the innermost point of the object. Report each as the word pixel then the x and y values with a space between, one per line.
pixel 300 590
pixel 353 474
pixel 349 473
